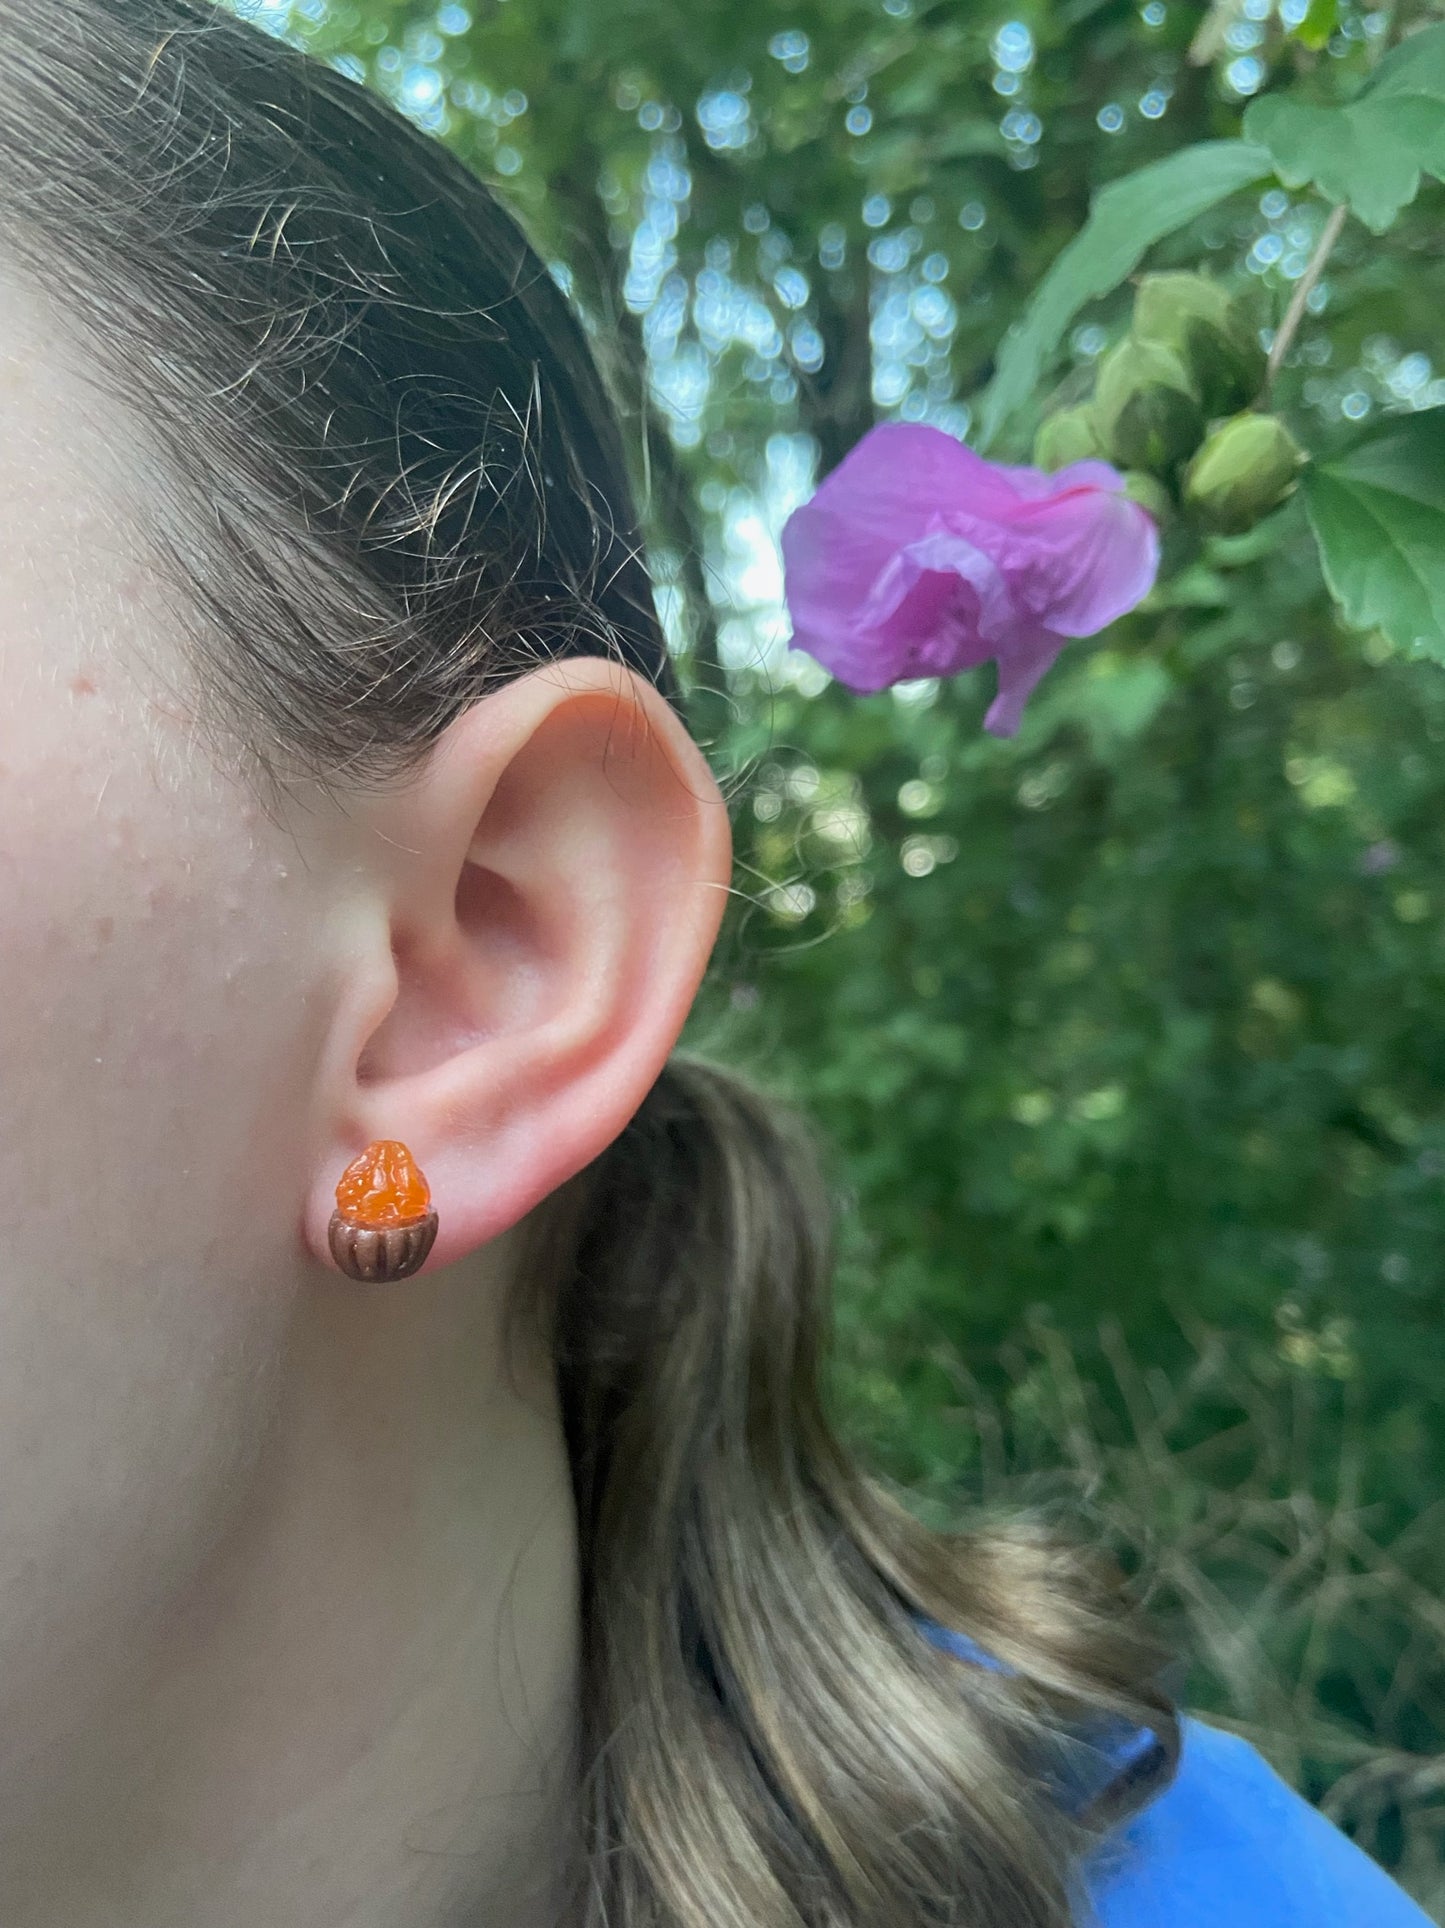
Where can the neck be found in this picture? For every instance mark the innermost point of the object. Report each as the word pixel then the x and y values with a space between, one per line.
pixel 361 1711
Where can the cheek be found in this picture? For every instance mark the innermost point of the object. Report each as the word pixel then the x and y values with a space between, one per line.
pixel 154 1049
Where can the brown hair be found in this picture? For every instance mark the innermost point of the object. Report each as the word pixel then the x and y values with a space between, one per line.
pixel 387 478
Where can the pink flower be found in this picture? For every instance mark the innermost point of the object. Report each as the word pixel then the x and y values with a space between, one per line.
pixel 916 557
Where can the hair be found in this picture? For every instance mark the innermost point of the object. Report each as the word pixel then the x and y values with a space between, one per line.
pixel 387 479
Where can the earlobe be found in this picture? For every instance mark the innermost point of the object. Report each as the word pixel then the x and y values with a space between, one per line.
pixel 549 889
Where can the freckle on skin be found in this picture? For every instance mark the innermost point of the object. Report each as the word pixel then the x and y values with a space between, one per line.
pixel 82 686
pixel 105 929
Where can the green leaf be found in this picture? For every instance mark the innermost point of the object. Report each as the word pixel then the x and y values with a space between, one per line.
pixel 1318 24
pixel 1125 220
pixel 1113 698
pixel 1378 514
pixel 966 139
pixel 1371 152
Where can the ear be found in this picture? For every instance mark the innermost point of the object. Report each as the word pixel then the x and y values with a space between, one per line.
pixel 530 923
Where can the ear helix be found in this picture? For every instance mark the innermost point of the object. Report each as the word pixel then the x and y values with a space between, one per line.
pixel 384 1223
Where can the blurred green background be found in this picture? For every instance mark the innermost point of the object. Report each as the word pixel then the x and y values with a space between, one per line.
pixel 1126 1036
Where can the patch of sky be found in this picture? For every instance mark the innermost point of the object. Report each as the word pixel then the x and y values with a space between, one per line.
pixel 1410 375
pixel 746 562
pixel 725 117
pixel 1110 117
pixel 726 314
pixel 888 252
pixel 680 386
pixel 912 327
pixel 934 312
pixel 271 16
pixel 791 287
pixel 421 87
pixel 791 48
pixel 663 323
pixel 651 259
pixel 1245 75
pixel 891 383
pixel 806 346
pixel 452 20
pixel 1013 48
pixel 670 601
pixel 666 176
pixel 1266 251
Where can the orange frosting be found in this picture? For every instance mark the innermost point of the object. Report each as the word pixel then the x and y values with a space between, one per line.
pixel 384 1186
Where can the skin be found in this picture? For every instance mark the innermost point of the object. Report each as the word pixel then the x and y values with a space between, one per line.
pixel 288 1629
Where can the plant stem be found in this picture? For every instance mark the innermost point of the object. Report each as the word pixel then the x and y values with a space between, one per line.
pixel 1294 314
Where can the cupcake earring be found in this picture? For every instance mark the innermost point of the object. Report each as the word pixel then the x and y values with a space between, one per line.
pixel 384 1223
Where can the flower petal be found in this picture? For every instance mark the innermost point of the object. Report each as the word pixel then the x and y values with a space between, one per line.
pixel 917 557
pixel 902 473
pixel 1089 474
pixel 1018 673
pixel 936 607
pixel 1092 555
pixel 946 554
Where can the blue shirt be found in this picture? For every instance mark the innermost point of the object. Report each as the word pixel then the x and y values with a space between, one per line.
pixel 1228 1844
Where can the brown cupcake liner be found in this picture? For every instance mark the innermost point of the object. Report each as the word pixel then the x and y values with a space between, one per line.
pixel 381 1253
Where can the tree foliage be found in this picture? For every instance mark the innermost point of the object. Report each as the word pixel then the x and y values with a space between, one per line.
pixel 1134 1022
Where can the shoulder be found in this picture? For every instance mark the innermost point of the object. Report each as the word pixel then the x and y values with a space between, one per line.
pixel 1228 1842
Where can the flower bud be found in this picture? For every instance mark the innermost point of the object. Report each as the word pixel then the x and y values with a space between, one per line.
pixel 1147 406
pixel 1208 331
pixel 1246 467
pixel 1070 436
pixel 1151 495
